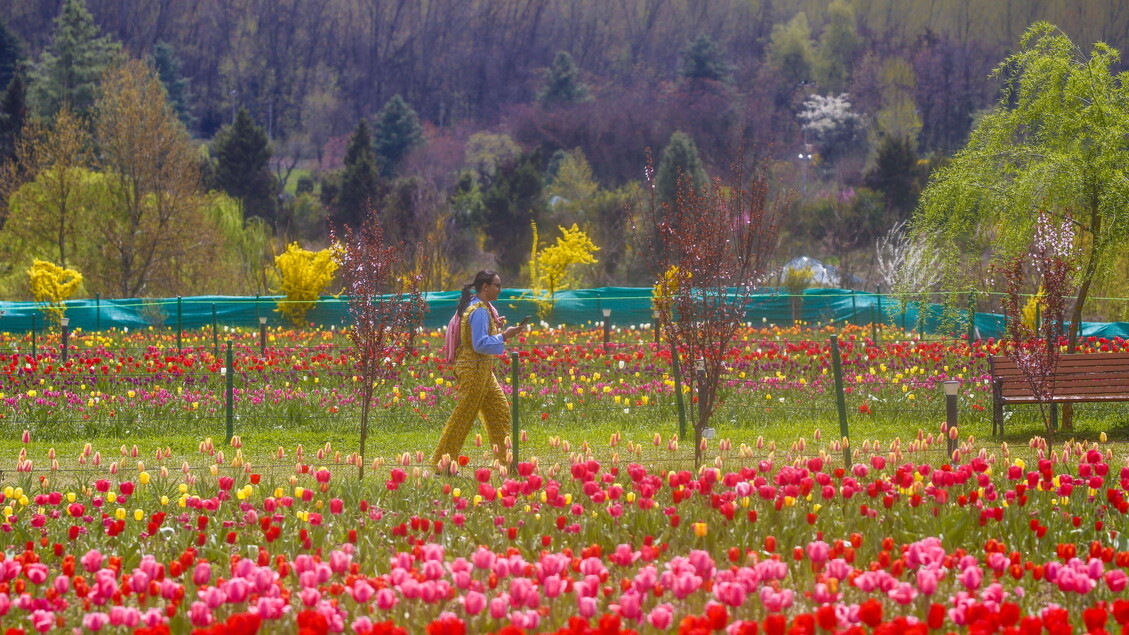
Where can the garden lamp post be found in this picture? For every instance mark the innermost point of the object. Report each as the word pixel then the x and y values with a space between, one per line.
pixel 65 323
pixel 262 335
pixel 607 324
pixel 951 387
pixel 655 321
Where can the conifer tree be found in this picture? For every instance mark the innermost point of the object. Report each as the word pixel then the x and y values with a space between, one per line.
pixel 360 179
pixel 512 203
pixel 13 114
pixel 242 166
pixel 563 85
pixel 11 51
pixel 176 85
pixel 70 68
pixel 398 132
pixel 679 162
pixel 702 60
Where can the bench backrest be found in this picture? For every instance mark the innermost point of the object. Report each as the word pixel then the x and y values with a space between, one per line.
pixel 1080 376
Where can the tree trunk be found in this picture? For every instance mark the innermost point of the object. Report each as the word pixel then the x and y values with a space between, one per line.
pixel 1083 292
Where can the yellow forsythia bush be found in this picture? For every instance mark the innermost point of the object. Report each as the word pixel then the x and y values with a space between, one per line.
pixel 52 285
pixel 305 274
pixel 552 268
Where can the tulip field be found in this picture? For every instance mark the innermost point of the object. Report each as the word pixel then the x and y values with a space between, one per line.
pixel 125 509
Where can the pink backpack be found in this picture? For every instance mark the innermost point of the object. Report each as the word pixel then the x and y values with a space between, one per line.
pixel 454 333
pixel 451 343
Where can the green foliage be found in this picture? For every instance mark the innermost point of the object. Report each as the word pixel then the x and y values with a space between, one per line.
pixel 359 180
pixel 242 166
pixel 485 152
pixel 175 83
pixel 701 59
pixel 791 51
pixel 511 204
pixel 69 70
pixel 13 115
pixel 679 166
pixel 1056 142
pixel 398 132
pixel 11 52
pixel 898 174
pixel 563 85
pixel 899 114
pixel 839 46
pixel 571 188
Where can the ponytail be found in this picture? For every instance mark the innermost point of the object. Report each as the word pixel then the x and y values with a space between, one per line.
pixel 464 299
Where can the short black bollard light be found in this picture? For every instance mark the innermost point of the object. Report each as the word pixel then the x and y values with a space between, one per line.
pixel 951 387
pixel 607 324
pixel 655 321
pixel 262 336
pixel 66 324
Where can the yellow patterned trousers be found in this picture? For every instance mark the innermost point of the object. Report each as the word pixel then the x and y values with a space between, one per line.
pixel 478 394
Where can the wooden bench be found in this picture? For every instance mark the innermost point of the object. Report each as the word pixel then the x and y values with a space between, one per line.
pixel 1078 378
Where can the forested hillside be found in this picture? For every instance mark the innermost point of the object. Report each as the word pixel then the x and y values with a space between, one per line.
pixel 463 121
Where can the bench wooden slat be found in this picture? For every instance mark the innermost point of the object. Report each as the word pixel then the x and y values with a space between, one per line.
pixel 1077 378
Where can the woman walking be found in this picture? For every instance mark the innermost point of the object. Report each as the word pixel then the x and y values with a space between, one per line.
pixel 481 338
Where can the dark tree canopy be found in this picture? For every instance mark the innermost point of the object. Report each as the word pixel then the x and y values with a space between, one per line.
pixel 398 132
pixel 175 83
pixel 897 175
pixel 13 115
pixel 242 166
pixel 679 162
pixel 70 68
pixel 360 180
pixel 702 59
pixel 511 204
pixel 11 52
pixel 563 85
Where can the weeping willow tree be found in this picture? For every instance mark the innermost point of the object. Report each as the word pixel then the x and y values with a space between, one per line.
pixel 1055 148
pixel 1056 144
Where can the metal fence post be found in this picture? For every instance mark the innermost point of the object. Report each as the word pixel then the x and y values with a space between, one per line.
pixel 66 338
pixel 514 410
pixel 33 329
pixel 840 399
pixel 230 392
pixel 971 316
pixel 98 311
pixel 676 368
pixel 854 309
pixel 215 333
pixel 179 348
pixel 951 386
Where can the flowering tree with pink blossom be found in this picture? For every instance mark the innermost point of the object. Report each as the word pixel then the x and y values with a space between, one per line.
pixel 709 249
pixel 385 305
pixel 1035 349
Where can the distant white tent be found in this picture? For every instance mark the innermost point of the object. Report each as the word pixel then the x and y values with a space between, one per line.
pixel 822 274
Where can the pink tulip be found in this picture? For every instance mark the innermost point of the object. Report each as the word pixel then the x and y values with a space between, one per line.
pixel 971 578
pixel 271 608
pixel 818 551
pixel 1116 580
pixel 42 621
pixel 730 594
pixel 237 590
pixel 903 594
pixel 499 606
pixel 199 614
pixel 661 616
pixel 139 581
pixel 927 581
pixel 92 561
pixel 586 606
pixel 202 574
pixel 95 621
pixel 36 573
pixel 474 602
pixel 361 626
pixel 386 599
pixel 362 591
pixel 309 596
pixel 212 597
